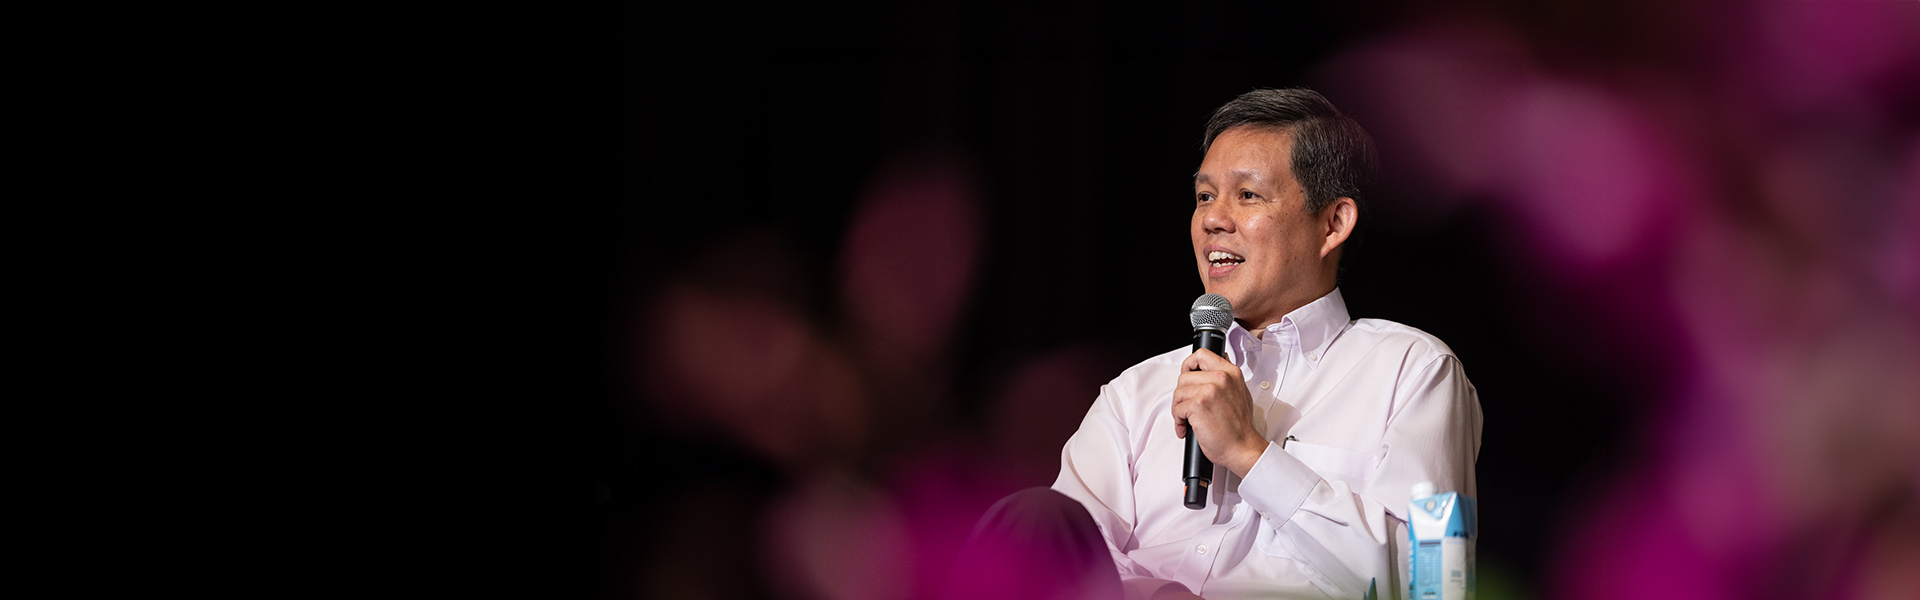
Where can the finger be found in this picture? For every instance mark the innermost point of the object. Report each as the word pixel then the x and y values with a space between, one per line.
pixel 1208 361
pixel 1196 385
pixel 1223 379
pixel 1199 360
pixel 1196 390
pixel 1179 418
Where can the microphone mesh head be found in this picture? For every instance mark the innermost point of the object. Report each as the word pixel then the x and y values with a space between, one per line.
pixel 1211 311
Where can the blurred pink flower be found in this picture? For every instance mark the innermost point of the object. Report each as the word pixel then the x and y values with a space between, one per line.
pixel 909 257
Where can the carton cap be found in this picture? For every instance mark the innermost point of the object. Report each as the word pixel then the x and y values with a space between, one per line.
pixel 1423 489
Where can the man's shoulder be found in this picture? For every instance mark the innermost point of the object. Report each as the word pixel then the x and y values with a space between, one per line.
pixel 1165 361
pixel 1153 373
pixel 1381 334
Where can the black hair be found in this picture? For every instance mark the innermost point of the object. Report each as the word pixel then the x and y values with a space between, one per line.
pixel 1332 155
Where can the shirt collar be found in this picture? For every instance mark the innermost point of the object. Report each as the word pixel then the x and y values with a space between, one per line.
pixel 1309 328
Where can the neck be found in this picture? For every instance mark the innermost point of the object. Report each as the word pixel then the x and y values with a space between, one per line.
pixel 1258 326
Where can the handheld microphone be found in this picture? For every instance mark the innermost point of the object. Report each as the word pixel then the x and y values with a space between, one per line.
pixel 1211 317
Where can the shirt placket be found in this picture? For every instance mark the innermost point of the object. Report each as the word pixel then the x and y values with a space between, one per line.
pixel 1264 361
pixel 1256 362
pixel 1205 553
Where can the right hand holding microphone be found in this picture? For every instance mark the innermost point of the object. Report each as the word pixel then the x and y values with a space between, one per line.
pixel 1212 398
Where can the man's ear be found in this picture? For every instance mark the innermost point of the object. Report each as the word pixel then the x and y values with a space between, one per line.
pixel 1337 220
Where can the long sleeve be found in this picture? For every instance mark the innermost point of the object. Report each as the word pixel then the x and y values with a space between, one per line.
pixel 1346 527
pixel 1096 468
pixel 1356 413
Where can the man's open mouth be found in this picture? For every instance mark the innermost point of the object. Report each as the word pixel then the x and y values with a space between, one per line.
pixel 1224 259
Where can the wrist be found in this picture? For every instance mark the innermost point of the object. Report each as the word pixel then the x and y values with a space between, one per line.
pixel 1250 451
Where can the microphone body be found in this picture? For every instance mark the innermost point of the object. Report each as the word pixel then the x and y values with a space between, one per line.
pixel 1210 316
pixel 1196 470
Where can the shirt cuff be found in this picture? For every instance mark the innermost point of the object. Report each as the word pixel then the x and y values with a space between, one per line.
pixel 1278 484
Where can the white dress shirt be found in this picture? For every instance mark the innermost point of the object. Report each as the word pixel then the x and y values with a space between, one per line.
pixel 1365 409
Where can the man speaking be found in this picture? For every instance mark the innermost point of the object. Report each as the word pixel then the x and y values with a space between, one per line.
pixel 1317 424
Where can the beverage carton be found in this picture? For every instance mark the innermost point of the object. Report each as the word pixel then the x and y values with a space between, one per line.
pixel 1441 530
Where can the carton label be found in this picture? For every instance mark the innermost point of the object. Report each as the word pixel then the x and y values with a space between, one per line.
pixel 1441 529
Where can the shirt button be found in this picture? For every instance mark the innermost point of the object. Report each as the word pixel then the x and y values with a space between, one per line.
pixel 1202 550
pixel 1313 356
pixel 1265 384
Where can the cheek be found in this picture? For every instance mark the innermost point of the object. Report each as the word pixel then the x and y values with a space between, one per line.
pixel 1262 232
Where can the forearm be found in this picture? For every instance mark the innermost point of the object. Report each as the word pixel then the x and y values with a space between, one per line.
pixel 1338 510
pixel 1337 535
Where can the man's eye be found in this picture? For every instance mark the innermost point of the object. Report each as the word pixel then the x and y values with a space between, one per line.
pixel 1205 197
pixel 1247 195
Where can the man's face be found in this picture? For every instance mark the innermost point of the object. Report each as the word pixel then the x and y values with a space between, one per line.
pixel 1253 240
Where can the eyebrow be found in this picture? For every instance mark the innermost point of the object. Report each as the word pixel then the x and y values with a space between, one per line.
pixel 1247 174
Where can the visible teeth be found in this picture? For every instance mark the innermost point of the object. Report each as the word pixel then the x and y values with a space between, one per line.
pixel 1218 257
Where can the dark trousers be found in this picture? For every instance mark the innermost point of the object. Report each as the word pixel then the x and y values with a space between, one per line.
pixel 1035 544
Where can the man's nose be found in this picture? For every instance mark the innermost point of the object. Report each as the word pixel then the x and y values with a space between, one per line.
pixel 1216 218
